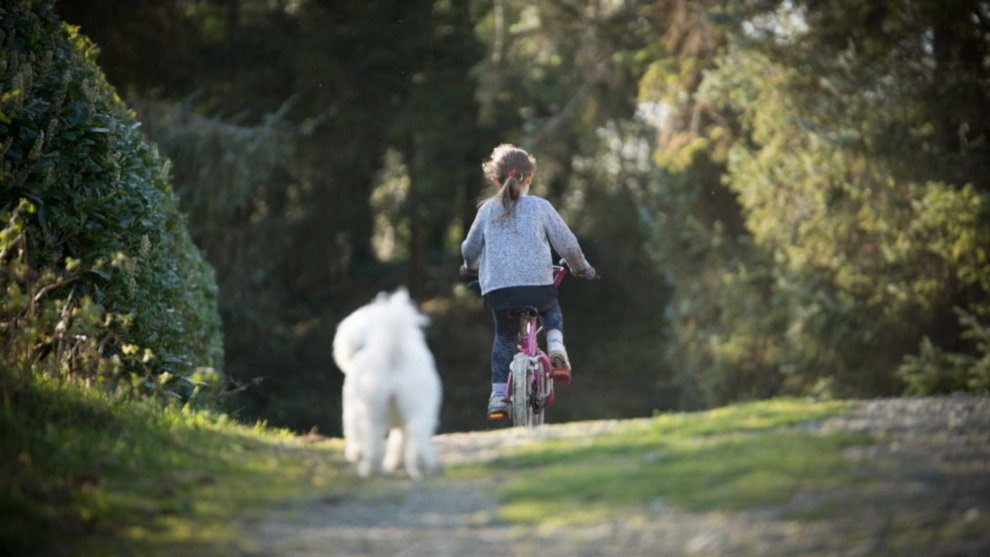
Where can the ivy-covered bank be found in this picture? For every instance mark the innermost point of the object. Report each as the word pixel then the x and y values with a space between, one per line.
pixel 100 280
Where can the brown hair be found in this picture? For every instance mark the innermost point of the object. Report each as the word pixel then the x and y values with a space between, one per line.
pixel 508 168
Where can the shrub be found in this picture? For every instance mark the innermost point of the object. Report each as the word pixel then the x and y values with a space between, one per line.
pixel 936 371
pixel 100 277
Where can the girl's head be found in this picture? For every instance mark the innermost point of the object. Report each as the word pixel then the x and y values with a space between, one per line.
pixel 510 169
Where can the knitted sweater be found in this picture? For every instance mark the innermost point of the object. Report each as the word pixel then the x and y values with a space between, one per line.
pixel 515 250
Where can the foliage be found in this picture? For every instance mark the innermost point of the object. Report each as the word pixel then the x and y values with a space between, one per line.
pixel 100 277
pixel 935 370
pixel 852 225
pixel 234 183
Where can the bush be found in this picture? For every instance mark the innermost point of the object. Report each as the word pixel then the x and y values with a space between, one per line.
pixel 936 371
pixel 100 277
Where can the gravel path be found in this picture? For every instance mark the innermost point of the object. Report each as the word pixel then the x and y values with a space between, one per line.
pixel 931 458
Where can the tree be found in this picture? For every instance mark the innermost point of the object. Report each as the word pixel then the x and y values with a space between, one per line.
pixel 862 225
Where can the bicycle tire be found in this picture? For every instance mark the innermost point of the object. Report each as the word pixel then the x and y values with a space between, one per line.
pixel 536 407
pixel 519 398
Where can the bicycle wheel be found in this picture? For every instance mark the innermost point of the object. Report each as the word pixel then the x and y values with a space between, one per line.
pixel 522 409
pixel 537 400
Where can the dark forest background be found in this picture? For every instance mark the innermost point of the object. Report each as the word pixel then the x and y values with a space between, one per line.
pixel 784 197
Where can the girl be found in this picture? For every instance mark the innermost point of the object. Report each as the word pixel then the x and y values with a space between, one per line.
pixel 509 246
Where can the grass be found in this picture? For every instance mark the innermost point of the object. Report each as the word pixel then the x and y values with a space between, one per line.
pixel 742 456
pixel 85 473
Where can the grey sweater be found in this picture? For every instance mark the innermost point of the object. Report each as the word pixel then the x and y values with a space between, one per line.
pixel 515 250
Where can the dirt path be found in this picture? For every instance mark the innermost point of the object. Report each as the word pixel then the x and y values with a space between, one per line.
pixel 933 455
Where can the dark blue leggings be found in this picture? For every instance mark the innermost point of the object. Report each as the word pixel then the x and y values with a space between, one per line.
pixel 507 334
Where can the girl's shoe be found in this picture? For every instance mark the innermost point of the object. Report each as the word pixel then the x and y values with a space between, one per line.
pixel 560 365
pixel 498 407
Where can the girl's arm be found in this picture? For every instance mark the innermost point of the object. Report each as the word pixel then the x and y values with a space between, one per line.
pixel 563 240
pixel 472 245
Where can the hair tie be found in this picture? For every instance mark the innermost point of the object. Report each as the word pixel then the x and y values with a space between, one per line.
pixel 510 174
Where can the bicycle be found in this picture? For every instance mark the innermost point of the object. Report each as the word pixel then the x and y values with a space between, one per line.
pixel 530 386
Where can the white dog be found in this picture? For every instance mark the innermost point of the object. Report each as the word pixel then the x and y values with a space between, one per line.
pixel 390 386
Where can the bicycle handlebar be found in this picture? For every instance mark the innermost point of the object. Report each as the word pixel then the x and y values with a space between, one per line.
pixel 562 264
pixel 471 275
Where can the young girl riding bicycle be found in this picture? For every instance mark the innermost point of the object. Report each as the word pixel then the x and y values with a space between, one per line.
pixel 508 245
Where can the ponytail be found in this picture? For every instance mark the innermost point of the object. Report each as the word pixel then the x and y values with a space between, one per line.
pixel 509 193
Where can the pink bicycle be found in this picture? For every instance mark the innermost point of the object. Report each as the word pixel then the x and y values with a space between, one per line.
pixel 530 385
pixel 530 379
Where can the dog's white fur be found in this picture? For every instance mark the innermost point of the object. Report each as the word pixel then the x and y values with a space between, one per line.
pixel 391 386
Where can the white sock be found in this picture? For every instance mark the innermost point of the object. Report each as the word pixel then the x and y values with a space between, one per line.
pixel 500 389
pixel 555 339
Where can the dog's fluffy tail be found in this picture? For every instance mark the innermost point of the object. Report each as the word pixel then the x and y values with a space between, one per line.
pixel 381 327
pixel 350 338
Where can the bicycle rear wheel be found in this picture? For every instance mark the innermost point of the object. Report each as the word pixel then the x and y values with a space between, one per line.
pixel 524 412
pixel 538 399
pixel 519 394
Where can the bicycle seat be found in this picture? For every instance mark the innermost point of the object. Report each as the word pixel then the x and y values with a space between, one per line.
pixel 524 311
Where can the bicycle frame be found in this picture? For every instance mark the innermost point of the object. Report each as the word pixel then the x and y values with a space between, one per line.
pixel 527 342
pixel 537 366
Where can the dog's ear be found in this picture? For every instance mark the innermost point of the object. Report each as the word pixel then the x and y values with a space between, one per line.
pixel 401 295
pixel 422 320
pixel 401 298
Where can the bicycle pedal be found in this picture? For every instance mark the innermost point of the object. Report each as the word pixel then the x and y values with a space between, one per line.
pixel 561 376
pixel 494 416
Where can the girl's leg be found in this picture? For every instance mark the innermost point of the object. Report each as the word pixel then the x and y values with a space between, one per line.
pixel 553 323
pixel 552 318
pixel 503 348
pixel 504 345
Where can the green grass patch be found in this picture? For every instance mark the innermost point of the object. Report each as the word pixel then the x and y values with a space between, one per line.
pixel 742 456
pixel 87 473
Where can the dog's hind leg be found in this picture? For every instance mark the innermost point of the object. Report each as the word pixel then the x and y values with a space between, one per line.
pixel 352 438
pixel 372 447
pixel 419 450
pixel 394 448
pixel 412 460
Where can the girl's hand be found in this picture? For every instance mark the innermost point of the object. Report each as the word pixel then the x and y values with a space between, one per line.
pixel 589 273
pixel 465 272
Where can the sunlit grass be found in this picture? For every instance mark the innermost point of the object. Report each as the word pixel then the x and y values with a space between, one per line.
pixel 136 477
pixel 738 457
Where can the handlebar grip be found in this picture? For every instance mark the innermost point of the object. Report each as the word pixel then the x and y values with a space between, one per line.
pixel 584 276
pixel 563 263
